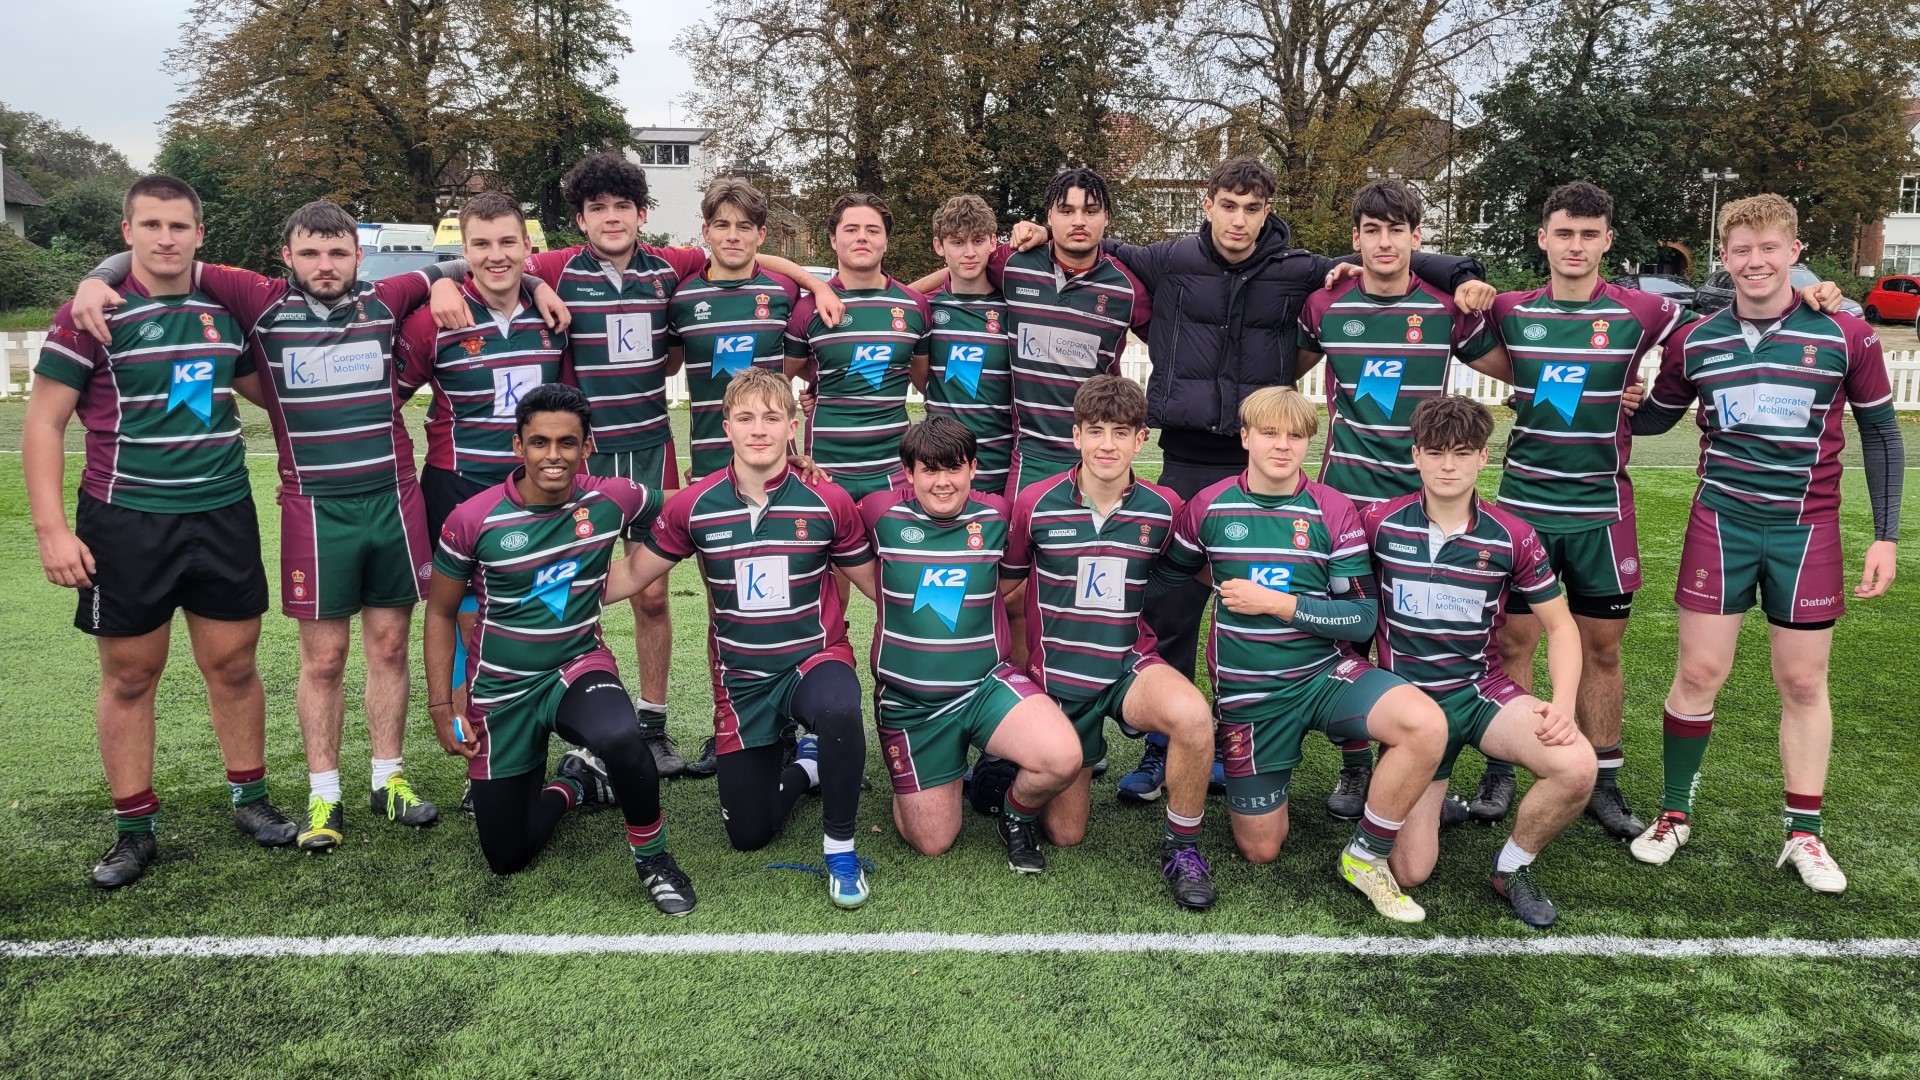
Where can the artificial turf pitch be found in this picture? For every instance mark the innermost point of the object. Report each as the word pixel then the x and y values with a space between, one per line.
pixel 881 1014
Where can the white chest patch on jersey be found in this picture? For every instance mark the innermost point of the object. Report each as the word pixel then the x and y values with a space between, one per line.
pixel 760 584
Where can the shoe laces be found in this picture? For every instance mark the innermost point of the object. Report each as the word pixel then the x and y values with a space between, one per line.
pixel 1186 863
pixel 1352 780
pixel 663 866
pixel 1521 883
pixel 318 811
pixel 1813 850
pixel 836 866
pixel 400 796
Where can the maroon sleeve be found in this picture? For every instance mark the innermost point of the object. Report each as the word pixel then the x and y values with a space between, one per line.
pixel 785 284
pixel 1671 387
pixel 1532 571
pixel 1658 318
pixel 1017 561
pixel 403 293
pixel 997 264
pixel 874 507
pixel 925 344
pixel 1372 516
pixel 245 294
pixel 671 537
pixel 550 266
pixel 687 262
pixel 796 336
pixel 69 356
pixel 1868 389
pixel 850 544
pixel 413 349
pixel 454 555
pixel 1142 299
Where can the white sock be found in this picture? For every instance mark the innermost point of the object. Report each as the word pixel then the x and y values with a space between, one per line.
pixel 326 785
pixel 834 847
pixel 384 769
pixel 812 769
pixel 1512 857
pixel 643 705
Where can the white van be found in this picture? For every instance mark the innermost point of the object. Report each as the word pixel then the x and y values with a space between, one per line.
pixel 389 236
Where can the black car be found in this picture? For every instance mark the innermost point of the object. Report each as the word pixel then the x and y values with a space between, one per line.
pixel 1717 291
pixel 1664 286
pixel 386 264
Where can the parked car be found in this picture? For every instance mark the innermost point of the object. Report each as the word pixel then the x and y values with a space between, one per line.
pixel 386 264
pixel 1717 291
pixel 1664 286
pixel 1894 299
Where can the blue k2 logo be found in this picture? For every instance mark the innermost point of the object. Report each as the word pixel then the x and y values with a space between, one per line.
pixel 944 589
pixel 1560 388
pixel 732 355
pixel 1277 578
pixel 552 584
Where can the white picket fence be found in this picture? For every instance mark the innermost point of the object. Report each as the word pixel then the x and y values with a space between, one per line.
pixel 19 349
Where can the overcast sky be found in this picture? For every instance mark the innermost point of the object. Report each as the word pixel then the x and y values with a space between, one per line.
pixel 104 74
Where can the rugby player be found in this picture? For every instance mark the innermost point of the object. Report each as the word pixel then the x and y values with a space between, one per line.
pixel 1770 375
pixel 537 548
pixel 969 377
pixel 165 518
pixel 1447 562
pixel 1288 559
pixel 940 653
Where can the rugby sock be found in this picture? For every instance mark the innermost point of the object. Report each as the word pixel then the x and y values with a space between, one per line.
pixel 1373 836
pixel 830 846
pixel 324 785
pixel 1181 831
pixel 247 786
pixel 647 840
pixel 1356 754
pixel 811 767
pixel 1014 809
pixel 1803 814
pixel 137 813
pixel 1682 748
pixel 1511 858
pixel 1610 761
pixel 568 789
pixel 384 769
pixel 652 717
pixel 1496 767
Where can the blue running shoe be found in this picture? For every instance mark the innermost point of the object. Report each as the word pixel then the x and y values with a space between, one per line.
pixel 1145 783
pixel 807 748
pixel 847 879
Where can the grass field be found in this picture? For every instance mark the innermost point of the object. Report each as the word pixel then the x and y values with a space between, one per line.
pixel 868 1013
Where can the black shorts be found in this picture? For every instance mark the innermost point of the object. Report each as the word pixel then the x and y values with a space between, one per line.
pixel 147 566
pixel 444 491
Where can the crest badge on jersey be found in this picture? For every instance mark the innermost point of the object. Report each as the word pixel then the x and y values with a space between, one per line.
pixel 799 528
pixel 1809 355
pixel 1100 304
pixel 973 535
pixel 659 290
pixel 1146 536
pixel 299 584
pixel 473 345
pixel 760 308
pixel 1484 556
pixel 1413 330
pixel 545 341
pixel 208 330
pixel 993 322
pixel 582 527
pixel 1599 338
pixel 899 318
pixel 1300 538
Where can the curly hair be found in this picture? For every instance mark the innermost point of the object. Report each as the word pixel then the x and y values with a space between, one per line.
pixel 600 175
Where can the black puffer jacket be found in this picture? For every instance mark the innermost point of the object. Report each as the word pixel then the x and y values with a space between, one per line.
pixel 1220 331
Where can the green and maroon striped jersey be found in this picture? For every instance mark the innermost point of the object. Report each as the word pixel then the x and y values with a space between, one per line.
pixel 860 371
pixel 330 387
pixel 1065 328
pixel 618 336
pixel 969 378
pixel 1441 599
pixel 478 375
pixel 771 592
pixel 1087 580
pixel 1770 407
pixel 157 403
pixel 725 327
pixel 1566 464
pixel 1293 543
pixel 942 625
pixel 1384 356
pixel 539 573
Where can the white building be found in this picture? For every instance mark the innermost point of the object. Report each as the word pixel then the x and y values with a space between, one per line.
pixel 1896 250
pixel 679 164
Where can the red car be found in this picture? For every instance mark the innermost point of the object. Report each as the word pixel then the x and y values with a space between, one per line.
pixel 1894 299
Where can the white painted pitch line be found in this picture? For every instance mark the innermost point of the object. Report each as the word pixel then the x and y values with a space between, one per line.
pixel 1579 945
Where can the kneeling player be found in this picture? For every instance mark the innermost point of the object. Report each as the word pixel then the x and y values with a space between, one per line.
pixel 537 548
pixel 1089 538
pixel 1447 562
pixel 767 538
pixel 1288 558
pixel 942 678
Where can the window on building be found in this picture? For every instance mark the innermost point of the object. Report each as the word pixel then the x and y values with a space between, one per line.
pixel 1177 210
pixel 664 153
pixel 1901 259
pixel 1910 194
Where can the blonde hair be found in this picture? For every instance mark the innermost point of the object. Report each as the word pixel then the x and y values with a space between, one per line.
pixel 1759 212
pixel 964 217
pixel 761 382
pixel 1280 407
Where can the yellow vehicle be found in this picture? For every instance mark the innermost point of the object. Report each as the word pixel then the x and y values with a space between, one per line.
pixel 447 237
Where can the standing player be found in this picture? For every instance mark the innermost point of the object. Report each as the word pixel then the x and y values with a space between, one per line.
pixel 859 366
pixel 766 537
pixel 1288 558
pixel 165 519
pixel 1770 375
pixel 537 548
pixel 1447 563
pixel 1088 539
pixel 969 378
pixel 941 674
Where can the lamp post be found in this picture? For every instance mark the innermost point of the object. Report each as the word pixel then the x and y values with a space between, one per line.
pixel 1713 216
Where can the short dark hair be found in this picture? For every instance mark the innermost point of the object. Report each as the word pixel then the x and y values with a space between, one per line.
pixel 1579 199
pixel 1110 399
pixel 490 206
pixel 1391 201
pixel 859 198
pixel 319 218
pixel 1450 422
pixel 160 186
pixel 938 442
pixel 553 397
pixel 1242 175
pixel 1098 197
pixel 736 192
pixel 599 175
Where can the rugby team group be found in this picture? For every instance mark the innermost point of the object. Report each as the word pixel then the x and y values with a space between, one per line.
pixel 1028 586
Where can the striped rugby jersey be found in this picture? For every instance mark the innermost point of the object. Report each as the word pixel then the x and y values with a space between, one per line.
pixel 1064 329
pixel 619 335
pixel 1384 356
pixel 1566 463
pixel 860 371
pixel 1770 414
pixel 1440 609
pixel 478 376
pixel 330 388
pixel 725 327
pixel 771 594
pixel 969 378
pixel 1293 543
pixel 157 403
pixel 942 626
pixel 1088 580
